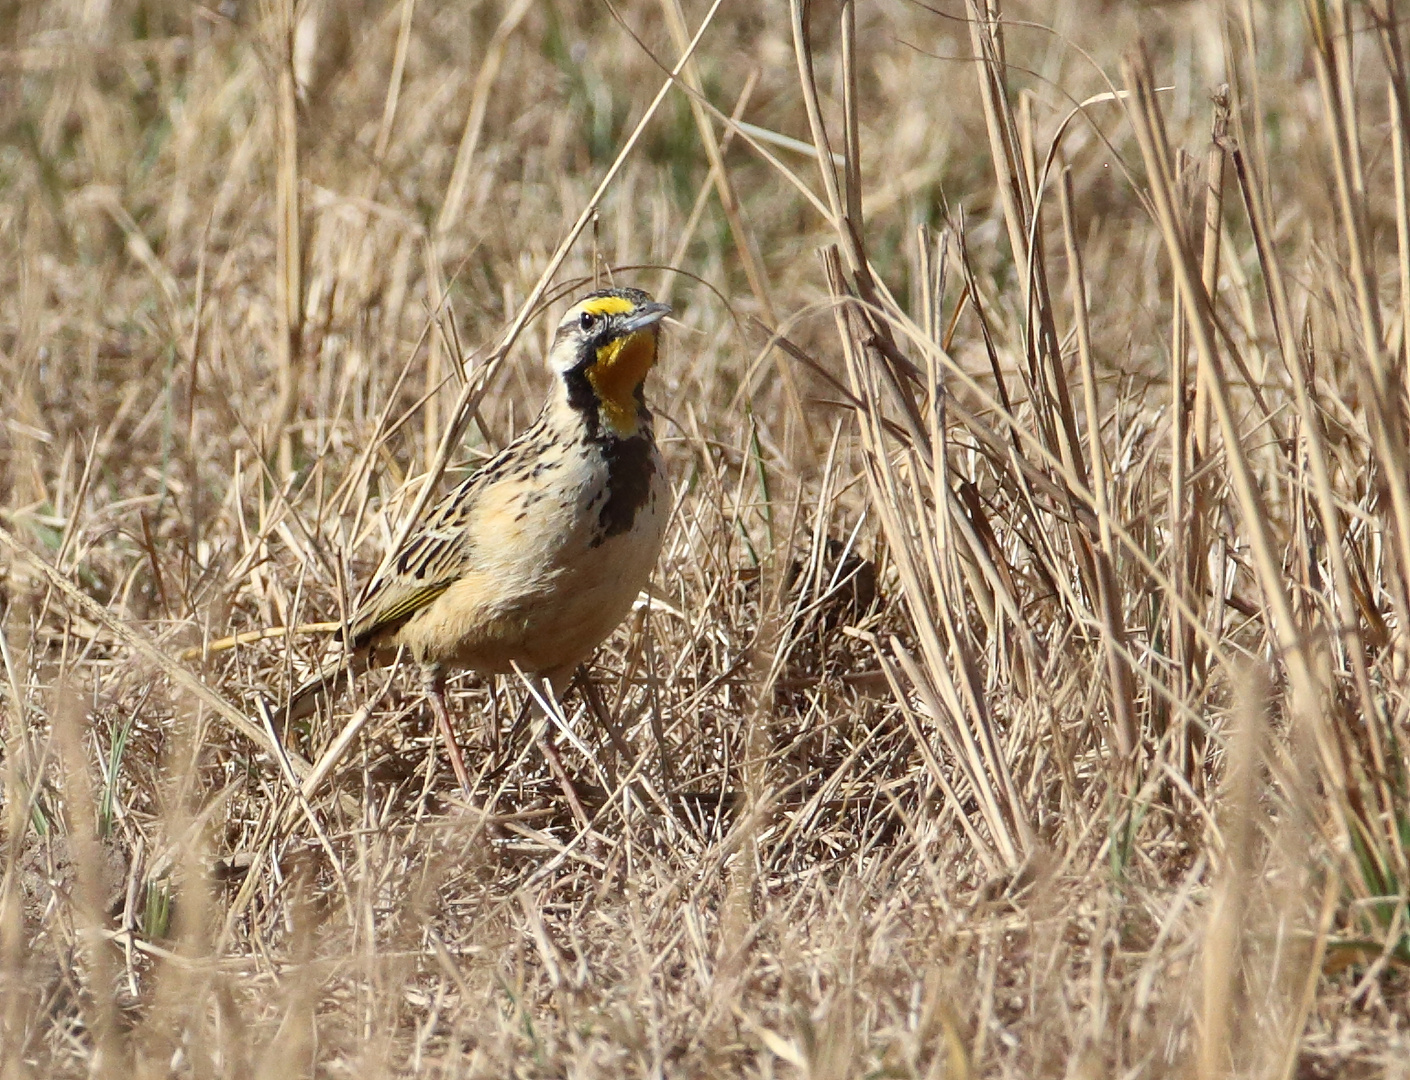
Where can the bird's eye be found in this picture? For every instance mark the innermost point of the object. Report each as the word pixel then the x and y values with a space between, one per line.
pixel 587 320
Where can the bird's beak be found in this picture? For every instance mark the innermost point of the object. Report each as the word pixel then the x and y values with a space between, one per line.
pixel 646 315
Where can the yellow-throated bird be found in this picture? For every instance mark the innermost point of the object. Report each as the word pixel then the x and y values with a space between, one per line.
pixel 537 557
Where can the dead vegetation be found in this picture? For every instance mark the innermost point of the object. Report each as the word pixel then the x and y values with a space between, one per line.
pixel 1022 692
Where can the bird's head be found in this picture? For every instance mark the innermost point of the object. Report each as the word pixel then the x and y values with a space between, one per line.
pixel 603 349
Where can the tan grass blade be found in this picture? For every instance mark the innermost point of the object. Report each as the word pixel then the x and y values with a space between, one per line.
pixel 1222 953
pixel 281 19
pixel 1108 589
pixel 957 706
pixel 139 643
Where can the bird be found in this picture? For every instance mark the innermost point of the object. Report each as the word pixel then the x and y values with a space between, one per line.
pixel 534 559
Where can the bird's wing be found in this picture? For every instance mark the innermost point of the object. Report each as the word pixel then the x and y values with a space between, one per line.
pixel 436 554
pixel 432 558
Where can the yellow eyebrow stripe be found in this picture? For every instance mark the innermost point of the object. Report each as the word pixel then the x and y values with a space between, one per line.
pixel 607 305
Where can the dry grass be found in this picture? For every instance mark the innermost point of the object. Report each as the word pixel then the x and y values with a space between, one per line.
pixel 1023 692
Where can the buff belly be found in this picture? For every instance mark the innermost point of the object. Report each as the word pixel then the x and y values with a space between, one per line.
pixel 547 586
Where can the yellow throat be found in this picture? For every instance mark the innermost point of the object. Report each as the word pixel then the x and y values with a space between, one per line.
pixel 621 366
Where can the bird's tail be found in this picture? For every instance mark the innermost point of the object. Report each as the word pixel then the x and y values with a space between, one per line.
pixel 304 700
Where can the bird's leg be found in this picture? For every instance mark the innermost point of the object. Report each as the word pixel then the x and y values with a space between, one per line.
pixel 605 721
pixel 555 763
pixel 435 682
pixel 516 730
pixel 494 720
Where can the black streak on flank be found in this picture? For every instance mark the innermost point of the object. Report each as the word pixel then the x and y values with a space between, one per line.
pixel 630 466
